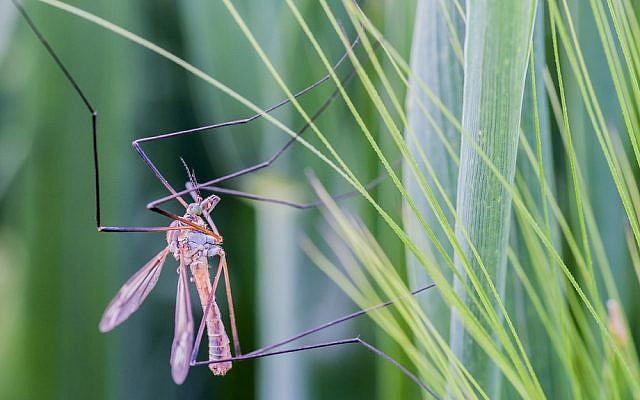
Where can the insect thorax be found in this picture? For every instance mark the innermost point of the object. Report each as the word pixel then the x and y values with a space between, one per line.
pixel 191 243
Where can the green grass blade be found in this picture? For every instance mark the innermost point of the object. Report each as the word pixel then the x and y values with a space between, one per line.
pixel 497 44
pixel 537 178
pixel 433 61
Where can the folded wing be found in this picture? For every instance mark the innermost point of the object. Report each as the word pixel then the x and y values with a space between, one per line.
pixel 183 335
pixel 133 293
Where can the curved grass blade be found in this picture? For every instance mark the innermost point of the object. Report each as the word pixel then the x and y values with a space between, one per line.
pixel 536 180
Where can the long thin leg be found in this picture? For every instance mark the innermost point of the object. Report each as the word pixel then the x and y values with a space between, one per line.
pixel 145 228
pixel 214 287
pixel 270 349
pixel 300 335
pixel 222 267
pixel 277 154
pixel 137 143
pixel 193 226
pixel 301 206
pixel 264 164
pixel 94 133
pixel 243 121
pixel 154 205
pixel 337 321
pixel 334 343
pixel 232 314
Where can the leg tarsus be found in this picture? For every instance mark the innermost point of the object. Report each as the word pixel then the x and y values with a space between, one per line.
pixel 396 364
pixel 271 349
pixel 355 340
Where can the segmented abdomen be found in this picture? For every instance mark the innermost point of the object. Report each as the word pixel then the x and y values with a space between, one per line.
pixel 219 348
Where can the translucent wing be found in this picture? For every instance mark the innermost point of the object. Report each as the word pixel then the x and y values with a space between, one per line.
pixel 183 335
pixel 133 293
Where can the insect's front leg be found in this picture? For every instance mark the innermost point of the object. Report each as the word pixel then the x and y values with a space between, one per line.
pixel 335 343
pixel 91 111
pixel 141 228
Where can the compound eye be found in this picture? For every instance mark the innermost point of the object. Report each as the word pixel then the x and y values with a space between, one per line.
pixel 194 209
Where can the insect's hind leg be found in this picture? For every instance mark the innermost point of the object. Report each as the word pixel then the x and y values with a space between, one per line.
pixel 232 315
pixel 201 326
pixel 272 349
pixel 222 268
pixel 355 340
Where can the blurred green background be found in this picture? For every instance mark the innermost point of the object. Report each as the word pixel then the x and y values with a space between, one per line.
pixel 57 273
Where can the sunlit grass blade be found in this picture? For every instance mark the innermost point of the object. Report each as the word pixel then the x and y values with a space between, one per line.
pixel 371 274
pixel 518 358
pixel 398 21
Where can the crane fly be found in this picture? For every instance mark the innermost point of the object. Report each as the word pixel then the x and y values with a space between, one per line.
pixel 192 249
pixel 192 239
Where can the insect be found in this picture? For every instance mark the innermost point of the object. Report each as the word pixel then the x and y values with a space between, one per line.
pixel 193 238
pixel 192 249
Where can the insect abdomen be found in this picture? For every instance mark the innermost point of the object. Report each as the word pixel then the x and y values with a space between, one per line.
pixel 218 340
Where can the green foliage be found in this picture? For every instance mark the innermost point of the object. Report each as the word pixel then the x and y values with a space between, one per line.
pixel 535 259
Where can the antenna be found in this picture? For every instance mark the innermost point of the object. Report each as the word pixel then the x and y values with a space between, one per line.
pixel 192 179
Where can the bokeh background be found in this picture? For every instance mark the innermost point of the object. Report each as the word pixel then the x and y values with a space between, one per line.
pixel 57 273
